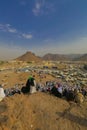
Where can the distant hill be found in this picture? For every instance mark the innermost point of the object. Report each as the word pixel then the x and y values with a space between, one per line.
pixel 60 57
pixel 29 56
pixel 82 58
pixel 54 57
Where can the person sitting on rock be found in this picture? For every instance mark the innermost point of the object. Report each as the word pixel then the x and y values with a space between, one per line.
pixel 79 98
pixel 32 84
pixel 2 93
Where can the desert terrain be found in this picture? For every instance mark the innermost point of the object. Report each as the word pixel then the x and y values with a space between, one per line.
pixel 43 64
pixel 39 111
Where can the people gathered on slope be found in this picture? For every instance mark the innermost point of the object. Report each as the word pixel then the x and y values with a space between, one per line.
pixel 71 93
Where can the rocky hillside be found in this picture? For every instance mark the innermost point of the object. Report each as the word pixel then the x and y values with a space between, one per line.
pixel 41 111
pixel 62 57
pixel 29 56
pixel 55 57
pixel 82 58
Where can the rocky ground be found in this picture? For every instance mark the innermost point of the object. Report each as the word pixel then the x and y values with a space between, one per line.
pixel 39 111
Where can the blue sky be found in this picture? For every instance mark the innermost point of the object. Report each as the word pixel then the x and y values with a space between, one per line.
pixel 42 26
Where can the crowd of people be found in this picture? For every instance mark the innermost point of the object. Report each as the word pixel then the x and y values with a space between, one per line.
pixel 75 93
pixel 30 87
pixel 71 93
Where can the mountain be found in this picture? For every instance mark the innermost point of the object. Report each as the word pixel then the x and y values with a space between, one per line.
pixel 54 57
pixel 29 56
pixel 82 58
pixel 74 56
pixel 60 57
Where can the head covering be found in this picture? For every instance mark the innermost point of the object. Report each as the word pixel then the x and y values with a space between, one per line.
pixel 30 77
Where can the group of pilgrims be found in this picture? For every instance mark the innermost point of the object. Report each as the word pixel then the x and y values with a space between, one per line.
pixel 74 93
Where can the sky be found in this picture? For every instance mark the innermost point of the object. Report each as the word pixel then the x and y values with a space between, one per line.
pixel 42 26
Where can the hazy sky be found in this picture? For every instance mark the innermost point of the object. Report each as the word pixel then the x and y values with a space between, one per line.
pixel 42 26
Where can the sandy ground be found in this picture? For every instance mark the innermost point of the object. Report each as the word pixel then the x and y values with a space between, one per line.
pixel 39 111
pixel 9 79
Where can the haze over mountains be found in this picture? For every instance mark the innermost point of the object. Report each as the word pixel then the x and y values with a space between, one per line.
pixel 82 58
pixel 61 57
pixel 29 56
pixel 66 57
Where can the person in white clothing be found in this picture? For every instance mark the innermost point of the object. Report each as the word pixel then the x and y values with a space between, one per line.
pixel 2 93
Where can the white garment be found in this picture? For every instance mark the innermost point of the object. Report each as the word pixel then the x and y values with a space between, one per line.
pixel 2 94
pixel 59 89
pixel 33 88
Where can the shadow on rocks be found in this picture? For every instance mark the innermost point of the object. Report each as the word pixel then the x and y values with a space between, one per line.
pixel 3 107
pixel 3 118
pixel 73 118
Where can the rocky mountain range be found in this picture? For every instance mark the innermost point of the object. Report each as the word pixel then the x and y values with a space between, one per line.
pixel 29 56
